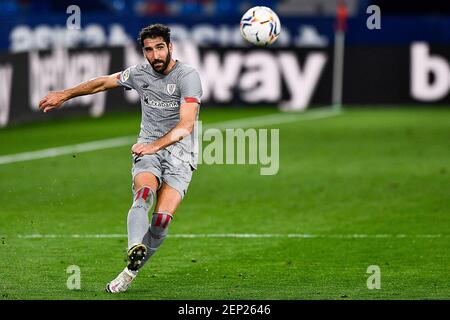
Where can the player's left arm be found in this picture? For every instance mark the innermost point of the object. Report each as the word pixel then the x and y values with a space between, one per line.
pixel 188 116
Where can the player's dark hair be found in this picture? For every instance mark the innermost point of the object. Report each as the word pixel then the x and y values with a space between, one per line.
pixel 153 31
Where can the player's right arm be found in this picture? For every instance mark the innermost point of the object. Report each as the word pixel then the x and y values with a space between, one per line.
pixel 54 99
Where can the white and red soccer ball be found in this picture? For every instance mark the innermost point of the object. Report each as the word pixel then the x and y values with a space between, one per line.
pixel 260 26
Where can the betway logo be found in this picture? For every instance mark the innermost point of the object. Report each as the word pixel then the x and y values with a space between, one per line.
pixel 430 74
pixel 253 77
pixel 257 75
pixel 63 69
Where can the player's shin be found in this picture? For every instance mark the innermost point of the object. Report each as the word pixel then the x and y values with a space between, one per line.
pixel 156 233
pixel 138 222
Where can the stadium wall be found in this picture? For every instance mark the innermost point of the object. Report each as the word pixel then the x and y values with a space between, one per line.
pixel 292 78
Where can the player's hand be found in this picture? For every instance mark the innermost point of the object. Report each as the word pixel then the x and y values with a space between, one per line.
pixel 140 149
pixel 52 100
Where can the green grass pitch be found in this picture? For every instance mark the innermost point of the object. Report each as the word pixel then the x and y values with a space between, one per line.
pixel 383 173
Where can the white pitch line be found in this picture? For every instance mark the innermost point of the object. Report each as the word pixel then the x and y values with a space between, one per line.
pixel 259 121
pixel 272 119
pixel 70 149
pixel 240 235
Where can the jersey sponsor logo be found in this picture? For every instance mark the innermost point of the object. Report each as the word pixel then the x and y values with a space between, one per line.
pixel 162 104
pixel 171 88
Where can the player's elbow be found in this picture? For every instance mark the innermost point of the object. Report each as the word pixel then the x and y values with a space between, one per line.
pixel 104 83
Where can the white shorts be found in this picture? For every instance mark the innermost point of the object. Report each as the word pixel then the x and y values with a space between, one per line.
pixel 167 168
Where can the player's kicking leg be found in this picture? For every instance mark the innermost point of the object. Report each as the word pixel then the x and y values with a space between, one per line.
pixel 145 185
pixel 168 201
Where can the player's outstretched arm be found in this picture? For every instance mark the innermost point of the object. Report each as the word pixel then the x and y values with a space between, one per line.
pixel 54 99
pixel 188 116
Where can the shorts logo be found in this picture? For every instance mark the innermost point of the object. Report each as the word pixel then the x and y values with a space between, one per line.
pixel 171 88
pixel 136 159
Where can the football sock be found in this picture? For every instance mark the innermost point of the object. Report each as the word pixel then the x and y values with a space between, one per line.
pixel 156 233
pixel 137 222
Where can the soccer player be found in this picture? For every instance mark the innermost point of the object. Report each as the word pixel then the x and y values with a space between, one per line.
pixel 165 154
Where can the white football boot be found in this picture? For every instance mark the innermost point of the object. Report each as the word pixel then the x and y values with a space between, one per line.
pixel 121 282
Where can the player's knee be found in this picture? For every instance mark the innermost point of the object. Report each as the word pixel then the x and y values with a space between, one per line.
pixel 145 179
pixel 160 223
pixel 144 194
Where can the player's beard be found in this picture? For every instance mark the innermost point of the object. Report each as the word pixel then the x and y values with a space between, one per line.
pixel 164 64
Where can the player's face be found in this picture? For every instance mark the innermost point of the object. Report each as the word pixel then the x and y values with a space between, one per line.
pixel 157 53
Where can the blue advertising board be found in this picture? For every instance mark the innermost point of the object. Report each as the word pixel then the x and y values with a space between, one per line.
pixel 20 33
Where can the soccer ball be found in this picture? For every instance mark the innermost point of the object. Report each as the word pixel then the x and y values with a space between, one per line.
pixel 260 26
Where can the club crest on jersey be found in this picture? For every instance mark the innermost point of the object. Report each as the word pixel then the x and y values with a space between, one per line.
pixel 126 74
pixel 171 88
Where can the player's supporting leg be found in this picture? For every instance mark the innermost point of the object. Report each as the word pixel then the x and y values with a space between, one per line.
pixel 137 224
pixel 145 185
pixel 168 201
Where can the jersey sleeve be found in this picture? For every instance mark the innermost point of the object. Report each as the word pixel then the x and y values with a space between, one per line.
pixel 126 78
pixel 190 87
